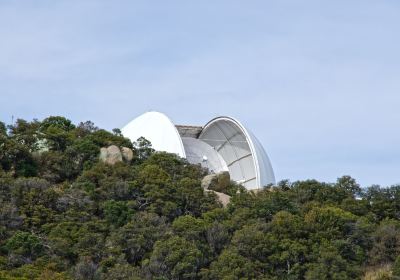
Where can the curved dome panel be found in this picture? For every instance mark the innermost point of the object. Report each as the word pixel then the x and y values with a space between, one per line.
pixel 266 173
pixel 246 159
pixel 158 129
pixel 199 152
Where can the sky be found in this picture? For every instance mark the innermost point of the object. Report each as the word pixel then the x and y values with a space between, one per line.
pixel 318 82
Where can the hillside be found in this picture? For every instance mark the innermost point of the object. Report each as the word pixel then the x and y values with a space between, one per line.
pixel 64 214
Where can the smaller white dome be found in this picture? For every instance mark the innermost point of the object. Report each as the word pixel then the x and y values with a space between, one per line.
pixel 158 129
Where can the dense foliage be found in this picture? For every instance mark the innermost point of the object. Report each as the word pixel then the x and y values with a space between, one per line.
pixel 66 215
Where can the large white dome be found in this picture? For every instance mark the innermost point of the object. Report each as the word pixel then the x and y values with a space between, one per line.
pixel 223 144
pixel 246 159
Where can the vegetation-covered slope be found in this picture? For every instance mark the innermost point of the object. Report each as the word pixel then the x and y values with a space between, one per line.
pixel 66 215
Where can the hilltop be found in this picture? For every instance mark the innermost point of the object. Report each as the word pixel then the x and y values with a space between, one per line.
pixel 66 214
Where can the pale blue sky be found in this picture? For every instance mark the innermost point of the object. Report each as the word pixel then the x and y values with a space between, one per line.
pixel 318 82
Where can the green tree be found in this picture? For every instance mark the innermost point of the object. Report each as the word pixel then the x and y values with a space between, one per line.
pixel 117 212
pixel 174 258
pixel 135 240
pixel 231 265
pixel 3 129
pixel 57 122
pixel 24 246
pixel 143 149
pixel 349 184
pixel 386 244
pixel 330 265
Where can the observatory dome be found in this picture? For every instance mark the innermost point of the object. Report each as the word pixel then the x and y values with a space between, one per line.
pixel 159 130
pixel 223 144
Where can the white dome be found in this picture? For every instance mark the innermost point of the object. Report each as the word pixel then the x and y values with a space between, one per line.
pixel 246 159
pixel 223 144
pixel 158 129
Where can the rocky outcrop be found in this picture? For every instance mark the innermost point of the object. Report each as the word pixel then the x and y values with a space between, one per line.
pixel 103 154
pixel 223 198
pixel 113 154
pixel 216 183
pixel 127 154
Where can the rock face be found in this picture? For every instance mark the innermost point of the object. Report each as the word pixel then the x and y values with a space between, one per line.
pixel 113 154
pixel 103 154
pixel 223 198
pixel 127 154
pixel 215 183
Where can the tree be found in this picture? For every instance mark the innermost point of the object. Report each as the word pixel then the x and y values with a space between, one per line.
pixel 117 212
pixel 57 122
pixel 16 157
pixel 24 246
pixel 123 272
pixel 117 131
pixel 136 239
pixel 349 184
pixel 330 222
pixel 386 244
pixel 103 138
pixel 231 265
pixel 85 269
pixel 3 129
pixel 384 202
pixel 35 199
pixel 330 265
pixel 190 228
pixel 143 148
pixel 85 128
pixel 26 134
pixel 174 258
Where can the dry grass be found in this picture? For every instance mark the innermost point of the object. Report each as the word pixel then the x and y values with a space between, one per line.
pixel 379 273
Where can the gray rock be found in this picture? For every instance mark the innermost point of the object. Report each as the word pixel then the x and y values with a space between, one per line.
pixel 114 154
pixel 103 154
pixel 223 198
pixel 111 155
pixel 127 154
pixel 208 180
pixel 217 182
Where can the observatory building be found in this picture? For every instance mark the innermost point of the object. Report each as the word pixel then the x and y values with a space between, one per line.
pixel 223 144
